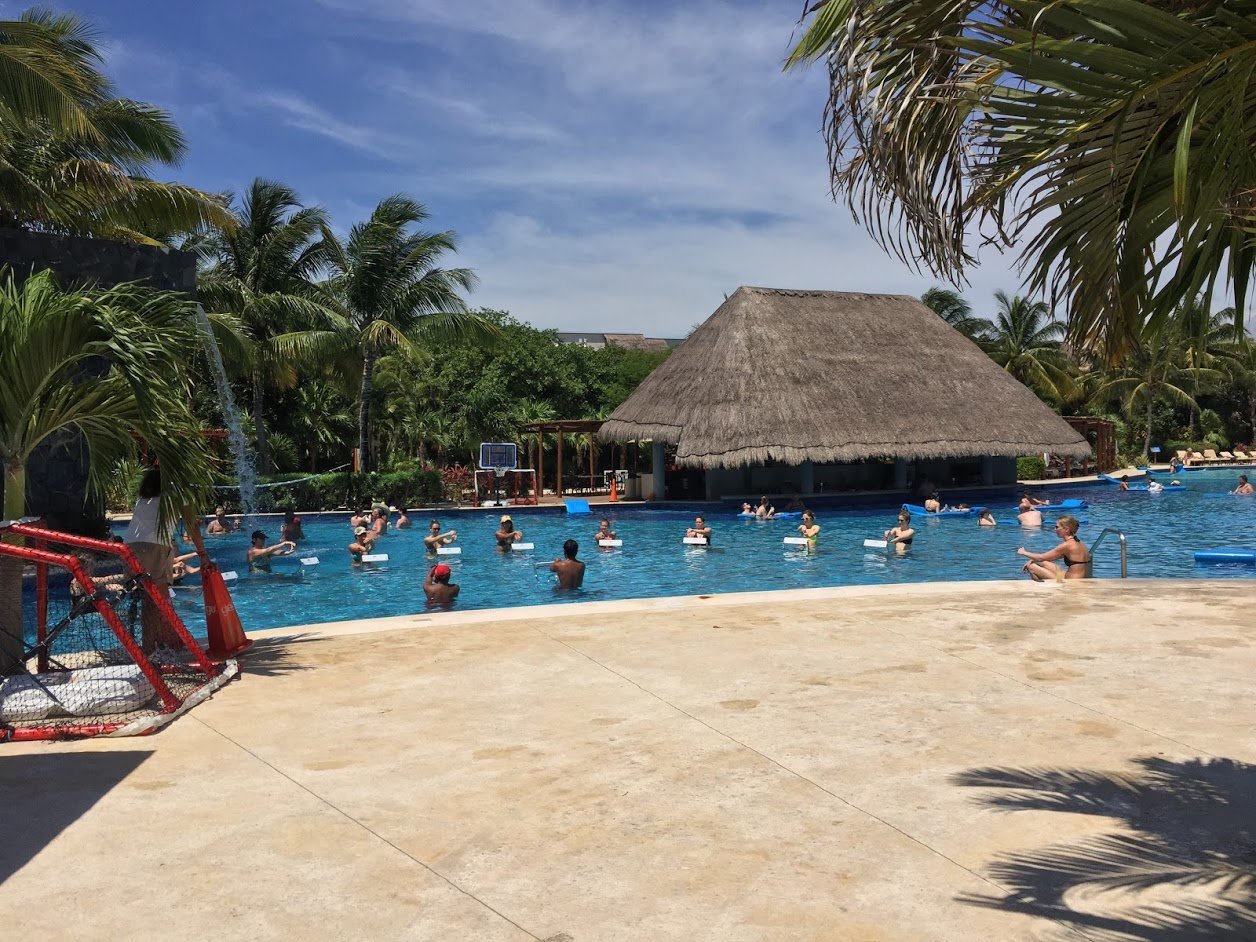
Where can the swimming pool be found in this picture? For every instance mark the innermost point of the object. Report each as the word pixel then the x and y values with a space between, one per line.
pixel 745 555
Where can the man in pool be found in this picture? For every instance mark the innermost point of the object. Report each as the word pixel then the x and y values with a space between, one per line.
pixel 1028 514
pixel 506 533
pixel 436 539
pixel 699 529
pixel 569 570
pixel 1244 487
pixel 437 587
pixel 259 553
pixel 933 503
pixel 220 524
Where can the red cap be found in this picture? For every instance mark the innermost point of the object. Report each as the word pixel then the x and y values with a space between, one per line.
pixel 440 571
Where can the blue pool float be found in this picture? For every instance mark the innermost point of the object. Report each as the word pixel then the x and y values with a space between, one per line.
pixel 918 510
pixel 1226 556
pixel 1069 503
pixel 1167 487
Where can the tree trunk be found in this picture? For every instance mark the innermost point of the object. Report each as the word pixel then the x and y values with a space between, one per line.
pixel 12 641
pixel 259 423
pixel 313 453
pixel 364 413
pixel 1147 437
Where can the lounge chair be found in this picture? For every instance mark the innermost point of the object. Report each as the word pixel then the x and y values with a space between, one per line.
pixel 1183 456
pixel 1196 458
pixel 1211 457
pixel 1242 455
pixel 1226 456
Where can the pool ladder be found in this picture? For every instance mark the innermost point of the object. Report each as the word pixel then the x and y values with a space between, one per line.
pixel 1120 535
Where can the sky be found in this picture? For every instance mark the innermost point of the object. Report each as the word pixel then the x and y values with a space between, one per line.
pixel 607 166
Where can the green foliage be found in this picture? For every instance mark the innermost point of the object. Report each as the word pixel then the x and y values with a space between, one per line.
pixel 413 488
pixel 1030 468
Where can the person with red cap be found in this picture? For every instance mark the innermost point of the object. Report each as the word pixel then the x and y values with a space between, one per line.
pixel 438 588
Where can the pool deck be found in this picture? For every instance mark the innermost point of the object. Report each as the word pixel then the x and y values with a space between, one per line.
pixel 941 762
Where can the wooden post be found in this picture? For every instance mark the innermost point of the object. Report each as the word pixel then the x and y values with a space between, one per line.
pixel 558 483
pixel 540 465
pixel 592 468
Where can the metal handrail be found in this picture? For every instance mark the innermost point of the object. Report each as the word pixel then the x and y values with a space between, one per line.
pixel 1120 535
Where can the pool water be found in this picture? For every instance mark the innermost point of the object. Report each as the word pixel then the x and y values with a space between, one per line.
pixel 745 555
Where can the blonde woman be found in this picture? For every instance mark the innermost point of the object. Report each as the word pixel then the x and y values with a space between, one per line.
pixel 1072 553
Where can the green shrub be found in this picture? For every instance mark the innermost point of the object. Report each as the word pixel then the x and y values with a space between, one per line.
pixel 1030 469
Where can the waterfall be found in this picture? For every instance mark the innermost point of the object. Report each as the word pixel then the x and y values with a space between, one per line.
pixel 246 474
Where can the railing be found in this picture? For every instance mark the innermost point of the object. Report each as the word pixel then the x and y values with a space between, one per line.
pixel 1120 535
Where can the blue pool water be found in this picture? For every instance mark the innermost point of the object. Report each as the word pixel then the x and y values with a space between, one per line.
pixel 746 555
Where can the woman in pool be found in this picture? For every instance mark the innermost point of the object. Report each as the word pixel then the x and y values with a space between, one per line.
pixel 435 539
pixel 506 533
pixel 986 519
pixel 1244 487
pixel 361 545
pixel 901 535
pixel 1071 552
pixel 699 529
pixel 933 503
pixel 604 531
pixel 1125 483
pixel 765 511
pixel 403 521
pixel 291 529
pixel 181 570
pixel 259 553
pixel 809 528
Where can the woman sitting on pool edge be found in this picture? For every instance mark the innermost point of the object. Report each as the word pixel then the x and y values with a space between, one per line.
pixel 901 535
pixel 1072 551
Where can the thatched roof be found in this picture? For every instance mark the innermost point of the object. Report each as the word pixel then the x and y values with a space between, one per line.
pixel 830 376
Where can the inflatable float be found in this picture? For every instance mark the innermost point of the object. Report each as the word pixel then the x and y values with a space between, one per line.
pixel 916 510
pixel 1243 556
pixel 1071 503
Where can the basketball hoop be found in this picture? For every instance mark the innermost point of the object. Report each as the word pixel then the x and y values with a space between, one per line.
pixel 500 473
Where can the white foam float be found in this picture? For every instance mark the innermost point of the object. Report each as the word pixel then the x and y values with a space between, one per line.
pixel 229 575
pixel 796 541
pixel 449 551
pixel 309 560
pixel 696 540
pixel 876 544
pixel 610 542
pixel 375 558
pixel 522 546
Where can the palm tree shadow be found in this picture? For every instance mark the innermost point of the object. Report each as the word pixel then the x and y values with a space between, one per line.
pixel 1179 867
pixel 272 657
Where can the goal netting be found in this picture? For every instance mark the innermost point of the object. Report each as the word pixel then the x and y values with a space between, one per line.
pixel 512 485
pixel 90 645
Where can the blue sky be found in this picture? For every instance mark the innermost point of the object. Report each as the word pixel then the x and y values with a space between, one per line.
pixel 606 166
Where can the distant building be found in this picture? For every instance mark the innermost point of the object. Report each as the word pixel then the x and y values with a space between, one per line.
pixel 627 341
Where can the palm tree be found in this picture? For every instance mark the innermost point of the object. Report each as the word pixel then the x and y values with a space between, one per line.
pixel 52 343
pixel 952 308
pixel 75 159
pixel 390 293
pixel 1156 371
pixel 1115 143
pixel 320 419
pixel 263 271
pixel 1024 339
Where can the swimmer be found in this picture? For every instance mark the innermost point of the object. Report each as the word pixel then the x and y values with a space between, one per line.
pixel 604 531
pixel 1072 552
pixel 436 539
pixel 291 529
pixel 1027 514
pixel 437 587
pixel 902 535
pixel 765 511
pixel 379 521
pixel 362 543
pixel 746 509
pixel 1125 483
pixel 986 519
pixel 1034 501
pixel 403 520
pixel 259 553
pixel 699 529
pixel 1244 487
pixel 933 504
pixel 1155 487
pixel 506 533
pixel 359 519
pixel 180 569
pixel 809 528
pixel 220 524
pixel 569 570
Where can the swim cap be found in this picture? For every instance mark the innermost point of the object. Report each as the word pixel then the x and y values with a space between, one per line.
pixel 441 571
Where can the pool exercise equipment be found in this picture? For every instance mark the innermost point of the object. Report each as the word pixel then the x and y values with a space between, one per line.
pixel 1243 556
pixel 796 541
pixel 917 510
pixel 449 551
pixel 1071 503
pixel 696 540
pixel 876 544
pixel 375 558
pixel 610 542
pixel 309 560
pixel 522 546
pixel 227 576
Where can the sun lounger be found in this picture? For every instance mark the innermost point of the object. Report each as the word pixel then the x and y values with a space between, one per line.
pixel 1211 456
pixel 1183 457
pixel 1242 455
pixel 1196 458
pixel 1226 456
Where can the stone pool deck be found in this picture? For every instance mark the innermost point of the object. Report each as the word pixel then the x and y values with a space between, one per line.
pixel 981 761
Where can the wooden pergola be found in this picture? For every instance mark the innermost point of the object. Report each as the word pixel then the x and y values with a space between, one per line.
pixel 559 427
pixel 1101 434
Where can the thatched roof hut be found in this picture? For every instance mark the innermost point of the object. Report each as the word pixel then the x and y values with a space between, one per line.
pixel 782 376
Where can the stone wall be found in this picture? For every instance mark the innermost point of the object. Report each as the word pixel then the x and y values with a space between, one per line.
pixel 56 475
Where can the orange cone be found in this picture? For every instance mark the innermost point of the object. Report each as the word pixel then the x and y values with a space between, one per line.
pixel 614 488
pixel 226 634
